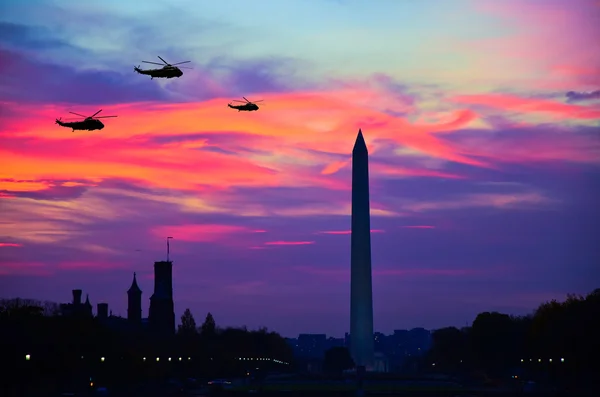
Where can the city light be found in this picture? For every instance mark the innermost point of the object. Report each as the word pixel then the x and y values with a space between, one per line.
pixel 522 360
pixel 550 359
pixel 102 359
pixel 169 358
pixel 157 358
pixel 144 359
pixel 562 360
pixel 28 357
pixel 179 358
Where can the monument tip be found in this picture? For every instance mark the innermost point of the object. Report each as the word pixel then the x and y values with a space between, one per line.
pixel 360 142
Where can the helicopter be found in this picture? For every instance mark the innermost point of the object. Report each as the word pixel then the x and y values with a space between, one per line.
pixel 167 71
pixel 88 123
pixel 247 106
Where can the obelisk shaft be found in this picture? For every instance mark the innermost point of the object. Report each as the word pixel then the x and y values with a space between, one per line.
pixel 361 294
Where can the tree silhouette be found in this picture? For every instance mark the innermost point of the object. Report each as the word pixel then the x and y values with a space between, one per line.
pixel 209 327
pixel 188 324
pixel 337 360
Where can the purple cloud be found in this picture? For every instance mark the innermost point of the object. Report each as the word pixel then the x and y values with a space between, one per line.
pixel 573 96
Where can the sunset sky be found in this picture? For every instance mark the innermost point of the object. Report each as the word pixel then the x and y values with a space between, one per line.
pixel 484 172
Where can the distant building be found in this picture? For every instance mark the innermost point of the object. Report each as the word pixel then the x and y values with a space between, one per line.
pixel 311 345
pixel 161 315
pixel 76 308
pixel 102 311
pixel 134 303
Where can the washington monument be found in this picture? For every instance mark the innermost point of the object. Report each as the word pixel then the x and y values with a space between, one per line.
pixel 361 291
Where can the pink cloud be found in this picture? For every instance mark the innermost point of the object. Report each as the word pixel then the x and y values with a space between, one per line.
pixel 93 266
pixel 532 105
pixel 10 245
pixel 336 232
pixel 198 233
pixel 259 231
pixel 418 227
pixel 289 242
pixel 348 231
pixel 335 167
pixel 391 170
pixel 543 35
pixel 25 269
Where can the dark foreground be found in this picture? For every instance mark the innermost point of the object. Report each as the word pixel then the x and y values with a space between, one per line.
pixel 301 389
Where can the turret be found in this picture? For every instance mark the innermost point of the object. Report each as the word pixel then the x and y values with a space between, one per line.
pixel 134 302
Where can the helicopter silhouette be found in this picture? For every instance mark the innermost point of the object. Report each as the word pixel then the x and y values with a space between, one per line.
pixel 167 71
pixel 247 106
pixel 88 123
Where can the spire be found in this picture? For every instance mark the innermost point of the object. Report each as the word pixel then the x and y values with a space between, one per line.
pixel 360 144
pixel 87 300
pixel 134 287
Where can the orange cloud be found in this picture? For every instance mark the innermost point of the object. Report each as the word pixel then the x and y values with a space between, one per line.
pixel 22 186
pixel 284 136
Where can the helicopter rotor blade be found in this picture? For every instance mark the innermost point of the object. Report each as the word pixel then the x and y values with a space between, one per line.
pixel 93 115
pixel 183 67
pixel 179 63
pixel 153 63
pixel 246 99
pixel 163 60
pixel 259 101
pixel 77 114
pixel 103 117
pixel 238 101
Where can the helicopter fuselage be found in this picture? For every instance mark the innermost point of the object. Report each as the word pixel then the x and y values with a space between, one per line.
pixel 248 107
pixel 167 72
pixel 87 125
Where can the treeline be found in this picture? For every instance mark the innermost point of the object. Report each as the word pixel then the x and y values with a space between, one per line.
pixel 39 345
pixel 559 341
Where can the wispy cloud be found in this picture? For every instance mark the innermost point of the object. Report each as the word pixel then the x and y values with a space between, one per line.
pixel 347 231
pixel 10 245
pixel 289 242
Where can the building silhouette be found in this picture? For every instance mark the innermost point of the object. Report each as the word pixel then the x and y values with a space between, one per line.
pixel 102 311
pixel 161 315
pixel 134 303
pixel 361 291
pixel 76 308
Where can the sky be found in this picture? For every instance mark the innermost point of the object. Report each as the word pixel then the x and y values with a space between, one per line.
pixel 484 171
